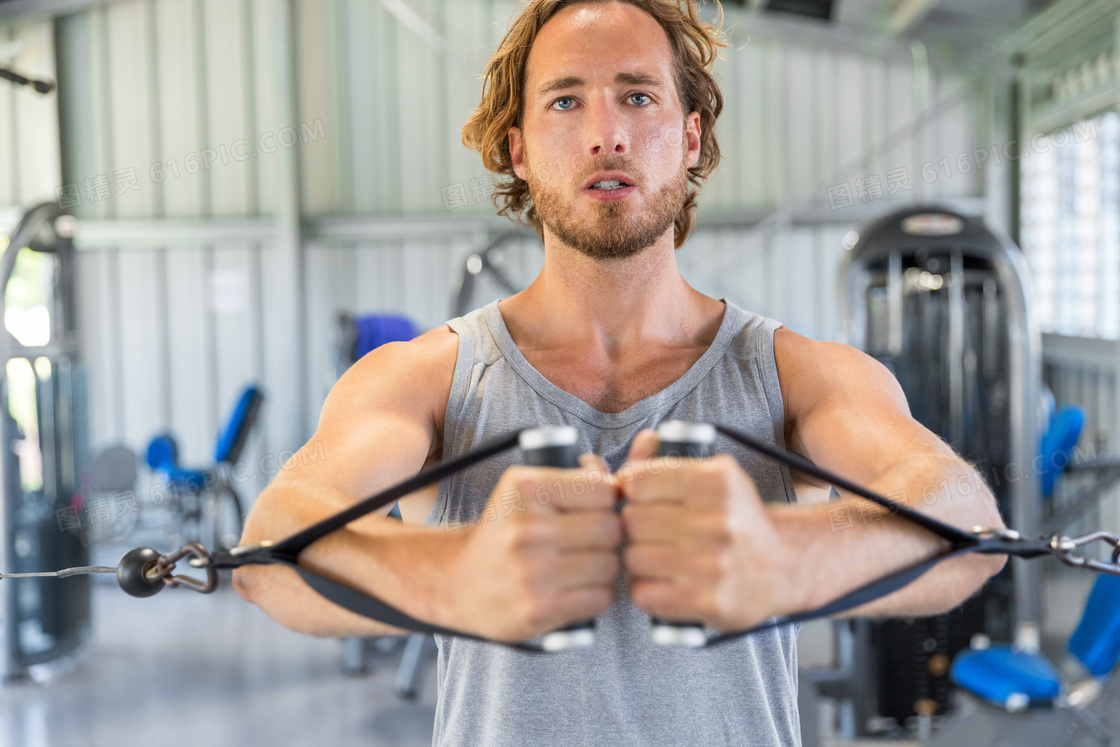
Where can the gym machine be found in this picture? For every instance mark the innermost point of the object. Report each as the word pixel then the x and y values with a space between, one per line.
pixel 44 621
pixel 942 301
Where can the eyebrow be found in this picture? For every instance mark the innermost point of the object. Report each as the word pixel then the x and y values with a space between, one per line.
pixel 571 81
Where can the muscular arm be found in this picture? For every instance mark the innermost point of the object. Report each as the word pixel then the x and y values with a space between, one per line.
pixel 379 425
pixel 846 413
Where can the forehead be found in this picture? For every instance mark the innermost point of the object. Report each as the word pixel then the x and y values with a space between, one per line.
pixel 596 41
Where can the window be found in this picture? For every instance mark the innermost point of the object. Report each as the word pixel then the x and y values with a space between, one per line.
pixel 1070 227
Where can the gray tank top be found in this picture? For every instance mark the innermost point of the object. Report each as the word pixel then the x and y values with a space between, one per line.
pixel 622 690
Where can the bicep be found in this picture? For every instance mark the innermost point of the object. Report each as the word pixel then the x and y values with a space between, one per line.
pixel 379 423
pixel 846 412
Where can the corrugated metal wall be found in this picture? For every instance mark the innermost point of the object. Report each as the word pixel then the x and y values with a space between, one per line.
pixel 29 157
pixel 179 107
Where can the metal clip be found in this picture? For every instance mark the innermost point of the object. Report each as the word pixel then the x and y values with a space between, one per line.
pixel 200 558
pixel 1002 533
pixel 1065 547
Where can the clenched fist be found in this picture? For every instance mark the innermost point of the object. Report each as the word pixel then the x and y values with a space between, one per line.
pixel 542 565
pixel 701 543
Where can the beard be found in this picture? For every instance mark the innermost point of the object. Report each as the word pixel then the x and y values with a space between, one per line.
pixel 617 229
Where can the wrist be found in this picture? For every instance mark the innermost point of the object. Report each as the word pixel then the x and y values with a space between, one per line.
pixel 799 589
pixel 434 555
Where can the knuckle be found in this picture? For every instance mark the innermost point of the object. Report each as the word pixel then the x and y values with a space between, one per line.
pixel 536 576
pixel 612 529
pixel 725 461
pixel 716 528
pixel 601 600
pixel 704 565
pixel 518 578
pixel 721 566
pixel 513 475
pixel 512 534
pixel 722 471
pixel 525 483
pixel 531 611
pixel 723 603
pixel 705 600
pixel 531 529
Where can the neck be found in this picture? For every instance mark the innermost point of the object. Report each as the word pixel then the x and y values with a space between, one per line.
pixel 610 308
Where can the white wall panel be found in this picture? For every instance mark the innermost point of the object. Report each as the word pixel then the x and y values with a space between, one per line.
pixel 775 84
pixel 330 290
pixel 365 138
pixel 230 299
pixel 956 138
pixel 143 375
pixel 36 119
pixel 316 73
pixel 9 151
pixel 191 356
pixel 804 120
pixel 101 286
pixel 179 89
pixel 128 145
pixel 266 99
pixel 749 131
pixel 29 158
pixel 281 416
pixel 98 350
pixel 468 42
pixel 229 107
pixel 422 90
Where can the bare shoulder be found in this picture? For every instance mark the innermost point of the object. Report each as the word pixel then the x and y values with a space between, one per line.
pixel 411 378
pixel 844 410
pixel 812 372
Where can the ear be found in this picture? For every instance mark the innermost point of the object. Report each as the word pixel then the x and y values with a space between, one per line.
pixel 517 152
pixel 692 138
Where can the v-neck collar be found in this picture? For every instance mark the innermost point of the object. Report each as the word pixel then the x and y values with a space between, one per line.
pixel 637 411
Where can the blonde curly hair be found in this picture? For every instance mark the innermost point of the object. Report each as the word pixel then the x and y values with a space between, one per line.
pixel 695 49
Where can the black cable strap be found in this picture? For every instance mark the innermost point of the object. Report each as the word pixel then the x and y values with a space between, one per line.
pixel 1004 542
pixel 287 552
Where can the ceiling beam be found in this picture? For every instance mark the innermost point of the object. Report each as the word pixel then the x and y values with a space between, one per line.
pixel 908 14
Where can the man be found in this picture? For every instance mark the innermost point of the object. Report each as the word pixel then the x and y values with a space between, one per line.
pixel 598 110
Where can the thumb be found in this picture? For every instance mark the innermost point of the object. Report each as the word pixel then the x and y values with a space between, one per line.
pixel 590 463
pixel 643 447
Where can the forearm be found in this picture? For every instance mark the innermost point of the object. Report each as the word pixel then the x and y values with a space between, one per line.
pixel 374 555
pixel 848 543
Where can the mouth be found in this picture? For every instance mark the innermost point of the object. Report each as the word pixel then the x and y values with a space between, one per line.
pixel 611 193
pixel 609 186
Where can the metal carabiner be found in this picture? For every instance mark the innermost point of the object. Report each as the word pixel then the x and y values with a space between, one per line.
pixel 162 569
pixel 1065 547
pixel 1002 533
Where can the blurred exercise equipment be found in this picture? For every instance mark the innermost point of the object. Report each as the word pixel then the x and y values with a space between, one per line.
pixel 210 509
pixel 942 302
pixel 43 459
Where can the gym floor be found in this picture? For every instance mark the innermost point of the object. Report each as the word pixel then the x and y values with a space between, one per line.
pixel 186 668
pixel 249 682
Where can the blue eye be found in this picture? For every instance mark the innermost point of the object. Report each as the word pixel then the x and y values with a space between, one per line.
pixel 564 98
pixel 644 96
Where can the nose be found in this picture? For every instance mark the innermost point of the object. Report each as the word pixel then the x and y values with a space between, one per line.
pixel 606 133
